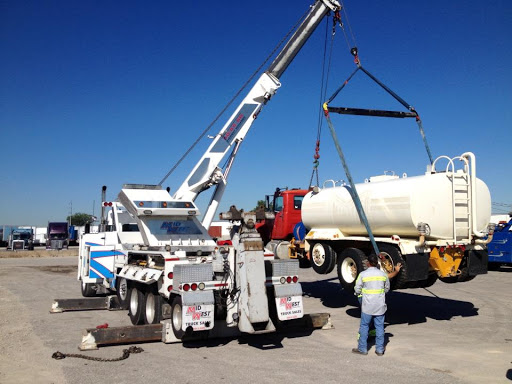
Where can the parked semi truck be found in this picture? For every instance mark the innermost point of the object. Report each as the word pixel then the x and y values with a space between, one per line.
pixel 153 251
pixel 500 247
pixel 21 238
pixel 436 225
pixel 57 235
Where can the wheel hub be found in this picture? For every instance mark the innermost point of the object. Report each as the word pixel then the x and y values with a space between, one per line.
pixel 349 270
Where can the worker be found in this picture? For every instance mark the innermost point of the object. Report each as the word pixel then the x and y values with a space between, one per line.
pixel 373 285
pixel 372 332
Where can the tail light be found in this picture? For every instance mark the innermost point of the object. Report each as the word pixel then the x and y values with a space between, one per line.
pixel 194 286
pixel 169 288
pixel 170 275
pixel 288 279
pixel 186 287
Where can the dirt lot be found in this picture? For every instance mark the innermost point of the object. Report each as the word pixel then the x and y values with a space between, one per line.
pixel 38 252
pixel 448 333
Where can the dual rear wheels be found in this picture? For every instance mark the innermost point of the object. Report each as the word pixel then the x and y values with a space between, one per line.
pixel 352 261
pixel 144 305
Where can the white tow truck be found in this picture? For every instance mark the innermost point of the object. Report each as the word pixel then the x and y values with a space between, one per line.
pixel 157 256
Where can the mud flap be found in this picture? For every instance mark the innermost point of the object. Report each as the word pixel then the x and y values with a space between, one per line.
pixel 417 266
pixel 477 262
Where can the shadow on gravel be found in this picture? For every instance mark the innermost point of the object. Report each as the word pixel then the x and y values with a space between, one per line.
pixel 403 307
pixel 408 308
pixel 330 293
pixel 265 341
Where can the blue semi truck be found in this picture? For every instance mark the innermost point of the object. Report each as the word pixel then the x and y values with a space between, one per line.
pixel 500 248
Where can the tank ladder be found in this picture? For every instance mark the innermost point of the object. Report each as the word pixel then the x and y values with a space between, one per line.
pixel 461 199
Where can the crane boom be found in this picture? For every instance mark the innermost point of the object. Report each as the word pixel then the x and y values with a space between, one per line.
pixel 207 172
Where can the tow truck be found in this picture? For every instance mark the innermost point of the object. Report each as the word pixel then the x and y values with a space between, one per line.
pixel 157 256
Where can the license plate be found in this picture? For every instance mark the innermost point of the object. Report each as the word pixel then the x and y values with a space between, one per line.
pixel 199 317
pixel 289 307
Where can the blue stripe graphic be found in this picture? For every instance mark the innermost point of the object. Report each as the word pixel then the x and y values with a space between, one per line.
pixel 97 268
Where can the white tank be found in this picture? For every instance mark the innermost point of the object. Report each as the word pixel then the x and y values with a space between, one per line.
pixel 395 206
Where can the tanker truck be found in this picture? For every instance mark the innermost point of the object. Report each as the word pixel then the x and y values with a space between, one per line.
pixel 436 225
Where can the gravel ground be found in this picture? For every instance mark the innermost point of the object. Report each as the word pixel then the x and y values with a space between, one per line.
pixel 449 333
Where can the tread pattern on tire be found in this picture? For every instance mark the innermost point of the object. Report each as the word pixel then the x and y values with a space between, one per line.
pixel 329 262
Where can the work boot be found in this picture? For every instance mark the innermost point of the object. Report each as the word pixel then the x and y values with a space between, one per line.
pixel 358 352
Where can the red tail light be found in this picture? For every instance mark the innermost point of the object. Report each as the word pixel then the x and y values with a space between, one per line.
pixel 194 286
pixel 186 287
pixel 170 275
pixel 295 279
pixel 288 279
pixel 169 288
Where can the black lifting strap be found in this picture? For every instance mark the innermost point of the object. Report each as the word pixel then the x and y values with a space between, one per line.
pixel 375 112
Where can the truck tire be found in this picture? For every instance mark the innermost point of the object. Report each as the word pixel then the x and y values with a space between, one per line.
pixel 122 292
pixel 176 317
pixel 137 306
pixel 323 258
pixel 351 263
pixel 394 256
pixel 88 289
pixel 153 307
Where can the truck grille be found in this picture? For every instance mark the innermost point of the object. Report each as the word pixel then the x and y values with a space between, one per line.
pixel 56 244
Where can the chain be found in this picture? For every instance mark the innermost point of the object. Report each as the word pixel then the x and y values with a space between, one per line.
pixel 126 353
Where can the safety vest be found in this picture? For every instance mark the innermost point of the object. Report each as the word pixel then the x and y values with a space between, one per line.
pixel 372 284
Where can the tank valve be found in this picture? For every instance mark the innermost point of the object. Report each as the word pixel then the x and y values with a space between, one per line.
pixel 424 230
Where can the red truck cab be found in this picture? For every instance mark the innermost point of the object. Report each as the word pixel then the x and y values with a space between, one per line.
pixel 286 205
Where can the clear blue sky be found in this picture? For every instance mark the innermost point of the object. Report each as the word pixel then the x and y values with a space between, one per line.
pixel 108 92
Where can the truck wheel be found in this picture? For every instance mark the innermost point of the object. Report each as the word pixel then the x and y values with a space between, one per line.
pixel 323 258
pixel 88 289
pixel 137 306
pixel 351 263
pixel 176 317
pixel 122 291
pixel 393 256
pixel 153 308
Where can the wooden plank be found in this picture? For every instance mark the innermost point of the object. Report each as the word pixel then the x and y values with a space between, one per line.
pixel 92 338
pixel 95 337
pixel 85 304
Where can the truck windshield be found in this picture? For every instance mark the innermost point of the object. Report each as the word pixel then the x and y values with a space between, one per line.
pixel 278 204
pixel 58 236
pixel 174 225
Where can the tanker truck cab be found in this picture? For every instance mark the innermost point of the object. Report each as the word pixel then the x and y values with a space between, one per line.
pixel 434 224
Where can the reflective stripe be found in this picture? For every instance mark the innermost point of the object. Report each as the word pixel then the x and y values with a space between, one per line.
pixel 374 278
pixel 372 291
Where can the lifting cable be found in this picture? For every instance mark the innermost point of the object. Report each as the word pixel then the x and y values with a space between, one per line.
pixel 366 112
pixel 249 80
pixel 379 113
pixel 323 91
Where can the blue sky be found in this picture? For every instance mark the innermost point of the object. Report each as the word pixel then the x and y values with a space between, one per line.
pixel 104 93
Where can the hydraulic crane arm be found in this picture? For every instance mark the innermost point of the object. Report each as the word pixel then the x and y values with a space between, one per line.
pixel 207 172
